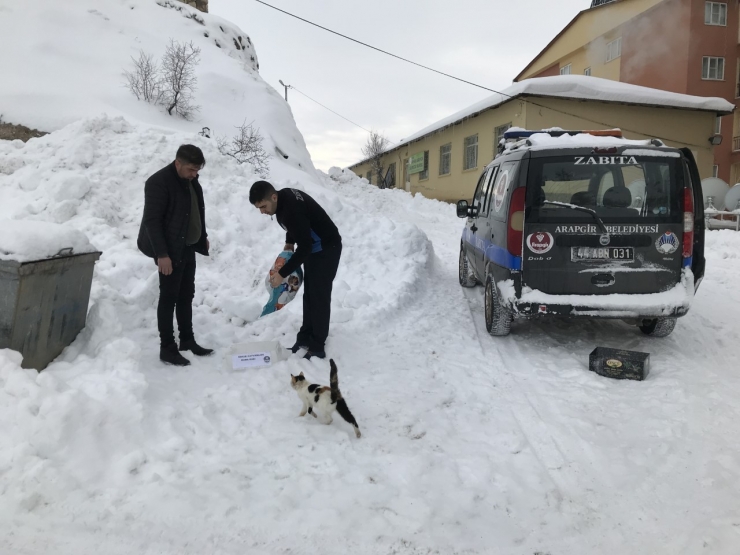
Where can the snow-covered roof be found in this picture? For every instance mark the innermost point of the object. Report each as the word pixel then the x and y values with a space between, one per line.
pixel 580 87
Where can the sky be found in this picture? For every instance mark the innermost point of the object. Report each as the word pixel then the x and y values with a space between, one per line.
pixel 487 42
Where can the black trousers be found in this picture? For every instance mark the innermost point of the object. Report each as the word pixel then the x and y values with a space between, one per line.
pixel 176 292
pixel 319 270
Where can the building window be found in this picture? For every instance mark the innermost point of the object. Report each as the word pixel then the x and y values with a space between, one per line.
pixel 565 70
pixel 498 136
pixel 587 71
pixel 715 171
pixel 390 176
pixel 425 173
pixel 470 152
pixel 369 177
pixel 614 49
pixel 445 159
pixel 718 125
pixel 715 13
pixel 713 69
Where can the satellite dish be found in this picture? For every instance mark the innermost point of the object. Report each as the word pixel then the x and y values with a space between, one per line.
pixel 732 199
pixel 715 188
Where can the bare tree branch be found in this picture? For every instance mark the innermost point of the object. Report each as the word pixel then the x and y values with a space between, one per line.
pixel 373 150
pixel 178 78
pixel 246 148
pixel 144 81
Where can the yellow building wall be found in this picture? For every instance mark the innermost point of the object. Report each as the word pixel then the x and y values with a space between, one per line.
pixel 459 183
pixel 677 128
pixel 588 28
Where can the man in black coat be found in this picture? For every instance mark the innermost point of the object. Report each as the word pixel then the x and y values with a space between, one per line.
pixel 173 229
pixel 319 250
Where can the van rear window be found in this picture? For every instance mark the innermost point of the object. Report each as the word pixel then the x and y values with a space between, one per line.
pixel 618 188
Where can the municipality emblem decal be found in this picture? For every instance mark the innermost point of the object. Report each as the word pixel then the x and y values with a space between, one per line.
pixel 667 243
pixel 540 242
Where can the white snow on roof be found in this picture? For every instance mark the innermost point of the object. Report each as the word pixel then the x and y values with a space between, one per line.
pixel 581 87
pixel 543 140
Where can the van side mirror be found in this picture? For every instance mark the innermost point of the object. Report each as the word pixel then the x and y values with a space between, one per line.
pixel 463 209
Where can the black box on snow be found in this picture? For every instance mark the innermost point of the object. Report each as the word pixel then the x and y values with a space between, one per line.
pixel 619 363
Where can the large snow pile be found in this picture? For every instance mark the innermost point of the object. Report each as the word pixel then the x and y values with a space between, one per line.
pixel 83 426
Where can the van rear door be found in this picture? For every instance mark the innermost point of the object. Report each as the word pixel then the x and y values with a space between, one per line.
pixel 599 223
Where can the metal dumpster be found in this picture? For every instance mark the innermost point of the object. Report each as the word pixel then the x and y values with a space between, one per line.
pixel 43 305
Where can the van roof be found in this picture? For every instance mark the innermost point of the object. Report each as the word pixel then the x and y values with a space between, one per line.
pixel 555 139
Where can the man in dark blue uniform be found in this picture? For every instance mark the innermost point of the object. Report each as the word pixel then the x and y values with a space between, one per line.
pixel 319 250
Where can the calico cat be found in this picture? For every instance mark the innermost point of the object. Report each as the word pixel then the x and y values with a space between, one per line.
pixel 326 399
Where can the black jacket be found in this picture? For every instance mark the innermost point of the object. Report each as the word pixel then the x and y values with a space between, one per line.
pixel 305 223
pixel 167 215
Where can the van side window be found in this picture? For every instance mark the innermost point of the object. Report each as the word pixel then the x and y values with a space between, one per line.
pixel 479 190
pixel 488 189
pixel 504 183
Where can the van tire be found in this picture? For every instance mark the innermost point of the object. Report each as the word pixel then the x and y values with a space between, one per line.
pixel 464 275
pixel 658 327
pixel 498 318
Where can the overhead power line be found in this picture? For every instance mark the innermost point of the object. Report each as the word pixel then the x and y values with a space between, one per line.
pixel 373 47
pixel 452 77
pixel 327 108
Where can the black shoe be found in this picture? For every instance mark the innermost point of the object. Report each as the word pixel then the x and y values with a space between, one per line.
pixel 298 346
pixel 171 355
pixel 194 348
pixel 317 354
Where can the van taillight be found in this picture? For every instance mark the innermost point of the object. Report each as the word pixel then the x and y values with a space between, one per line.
pixel 688 223
pixel 516 221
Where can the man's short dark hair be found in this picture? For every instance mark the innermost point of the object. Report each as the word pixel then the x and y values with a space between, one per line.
pixel 191 154
pixel 261 190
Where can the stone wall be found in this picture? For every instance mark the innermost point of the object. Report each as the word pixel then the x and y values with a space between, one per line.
pixel 201 5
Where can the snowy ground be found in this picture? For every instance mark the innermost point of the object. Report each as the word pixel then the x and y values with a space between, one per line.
pixel 471 444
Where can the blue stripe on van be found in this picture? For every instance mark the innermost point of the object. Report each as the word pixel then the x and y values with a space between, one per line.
pixel 496 254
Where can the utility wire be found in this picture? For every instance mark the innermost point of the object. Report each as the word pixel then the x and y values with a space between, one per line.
pixel 452 77
pixel 327 108
pixel 373 47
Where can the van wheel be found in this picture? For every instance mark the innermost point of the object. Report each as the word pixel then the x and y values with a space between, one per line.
pixel 498 318
pixel 658 327
pixel 464 275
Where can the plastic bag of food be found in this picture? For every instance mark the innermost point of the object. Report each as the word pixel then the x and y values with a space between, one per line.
pixel 287 290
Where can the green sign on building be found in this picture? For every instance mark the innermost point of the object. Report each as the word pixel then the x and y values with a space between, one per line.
pixel 416 163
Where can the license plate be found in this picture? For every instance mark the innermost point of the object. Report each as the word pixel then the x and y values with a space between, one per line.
pixel 602 253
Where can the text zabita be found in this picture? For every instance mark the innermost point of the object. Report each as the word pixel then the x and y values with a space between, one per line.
pixel 603 160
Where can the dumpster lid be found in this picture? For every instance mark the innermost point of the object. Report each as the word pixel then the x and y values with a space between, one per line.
pixel 28 240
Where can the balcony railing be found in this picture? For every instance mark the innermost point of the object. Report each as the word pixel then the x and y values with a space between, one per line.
pixel 735 143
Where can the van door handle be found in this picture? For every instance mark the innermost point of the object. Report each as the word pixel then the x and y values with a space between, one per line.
pixel 473 229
